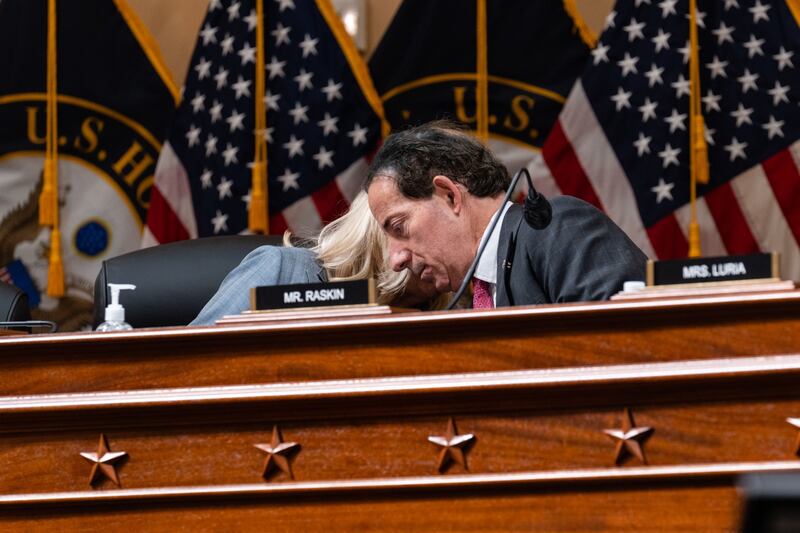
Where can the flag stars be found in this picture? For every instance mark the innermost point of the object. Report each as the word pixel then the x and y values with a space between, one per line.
pixel 205 179
pixel 224 188
pixel 709 135
pixel 634 30
pixel 654 75
pixel 275 67
pixel 681 86
pixel 611 19
pixel 661 40
pixel 229 154
pixel 289 180
pixel 272 101
pixel 731 3
pixel 711 101
pixel 328 124
pixel 628 64
pixel 333 91
pixel 663 190
pixel 233 11
pixel 621 99
pixel 281 34
pixel 648 110
pixel 215 112
pixel 701 19
pixel 198 102
pixel 242 87
pixel 221 78
pixel 686 51
pixel 778 93
pixel 267 134
pixel 220 222
pixel 227 44
pixel 193 135
pixel 208 34
pixel 753 46
pixel 723 33
pixel 668 8
pixel 675 121
pixel 285 4
pixel 358 134
pixel 748 81
pixel 784 59
pixel 742 115
pixel 324 158
pixel 736 149
pixel 774 127
pixel 299 113
pixel 294 146
pixel 304 80
pixel 642 144
pixel 203 68
pixel 308 46
pixel 669 156
pixel 235 121
pixel 251 20
pixel 600 54
pixel 717 68
pixel 759 11
pixel 211 145
pixel 247 54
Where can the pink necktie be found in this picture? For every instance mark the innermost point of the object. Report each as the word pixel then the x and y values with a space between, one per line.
pixel 481 294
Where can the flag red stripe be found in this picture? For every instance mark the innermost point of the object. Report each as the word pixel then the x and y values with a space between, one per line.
pixel 566 167
pixel 731 222
pixel 164 224
pixel 668 239
pixel 784 179
pixel 330 202
pixel 277 224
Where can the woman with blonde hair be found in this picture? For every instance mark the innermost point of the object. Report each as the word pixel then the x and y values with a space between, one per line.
pixel 349 248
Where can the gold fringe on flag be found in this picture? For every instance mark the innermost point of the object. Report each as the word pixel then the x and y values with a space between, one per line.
pixel 257 215
pixel 698 149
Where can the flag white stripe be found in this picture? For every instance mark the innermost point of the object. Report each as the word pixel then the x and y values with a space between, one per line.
pixel 766 220
pixel 602 167
pixel 303 218
pixel 711 242
pixel 173 184
pixel 148 239
pixel 351 180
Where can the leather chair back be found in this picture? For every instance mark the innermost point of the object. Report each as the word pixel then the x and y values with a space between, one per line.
pixel 173 281
pixel 13 304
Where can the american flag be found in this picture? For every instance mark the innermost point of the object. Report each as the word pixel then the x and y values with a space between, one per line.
pixel 323 118
pixel 622 139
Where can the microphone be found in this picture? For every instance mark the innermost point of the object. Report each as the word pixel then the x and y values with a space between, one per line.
pixel 537 213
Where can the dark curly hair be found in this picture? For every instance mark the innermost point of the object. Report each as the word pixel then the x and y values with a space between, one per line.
pixel 413 157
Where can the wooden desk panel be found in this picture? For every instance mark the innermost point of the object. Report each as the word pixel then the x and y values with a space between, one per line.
pixel 435 343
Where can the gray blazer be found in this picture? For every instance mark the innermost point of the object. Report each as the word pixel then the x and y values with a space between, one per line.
pixel 266 265
pixel 582 255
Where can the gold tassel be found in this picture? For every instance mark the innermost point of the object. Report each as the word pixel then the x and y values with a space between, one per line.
pixel 701 150
pixel 257 214
pixel 55 274
pixel 47 198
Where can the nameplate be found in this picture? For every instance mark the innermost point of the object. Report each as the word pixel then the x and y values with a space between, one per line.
pixel 713 269
pixel 313 295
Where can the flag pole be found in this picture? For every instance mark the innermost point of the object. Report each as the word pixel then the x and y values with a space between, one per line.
pixel 698 149
pixel 257 216
pixel 482 71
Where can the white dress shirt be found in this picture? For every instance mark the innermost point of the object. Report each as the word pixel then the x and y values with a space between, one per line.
pixel 487 265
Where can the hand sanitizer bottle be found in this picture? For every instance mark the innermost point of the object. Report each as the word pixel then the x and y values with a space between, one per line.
pixel 115 313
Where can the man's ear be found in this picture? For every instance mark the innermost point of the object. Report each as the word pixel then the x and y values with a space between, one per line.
pixel 449 190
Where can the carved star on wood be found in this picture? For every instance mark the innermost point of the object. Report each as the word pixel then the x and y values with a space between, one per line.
pixel 278 454
pixel 796 423
pixel 630 439
pixel 103 462
pixel 454 447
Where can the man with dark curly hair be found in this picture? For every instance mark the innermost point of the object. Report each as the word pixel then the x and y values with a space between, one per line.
pixel 434 190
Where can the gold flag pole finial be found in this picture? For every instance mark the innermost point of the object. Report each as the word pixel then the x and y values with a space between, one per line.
pixel 698 149
pixel 482 71
pixel 257 215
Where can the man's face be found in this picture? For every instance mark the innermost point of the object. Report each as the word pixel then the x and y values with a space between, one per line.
pixel 428 236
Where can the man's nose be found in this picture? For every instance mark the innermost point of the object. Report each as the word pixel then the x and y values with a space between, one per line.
pixel 399 257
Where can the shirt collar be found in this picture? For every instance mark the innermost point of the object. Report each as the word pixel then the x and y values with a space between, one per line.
pixel 487 266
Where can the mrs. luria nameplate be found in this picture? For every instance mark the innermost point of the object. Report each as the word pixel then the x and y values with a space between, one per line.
pixel 713 269
pixel 334 293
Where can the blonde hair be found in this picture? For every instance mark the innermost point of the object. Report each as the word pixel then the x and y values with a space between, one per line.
pixel 354 247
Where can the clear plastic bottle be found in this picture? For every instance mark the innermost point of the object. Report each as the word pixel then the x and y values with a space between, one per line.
pixel 115 313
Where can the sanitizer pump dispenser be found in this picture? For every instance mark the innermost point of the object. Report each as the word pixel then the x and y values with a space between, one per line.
pixel 115 313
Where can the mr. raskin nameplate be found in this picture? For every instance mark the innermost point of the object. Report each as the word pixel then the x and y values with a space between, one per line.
pixel 713 269
pixel 313 295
